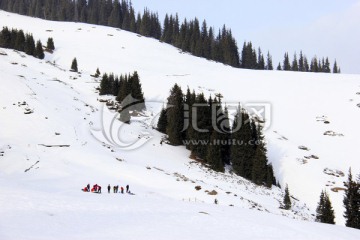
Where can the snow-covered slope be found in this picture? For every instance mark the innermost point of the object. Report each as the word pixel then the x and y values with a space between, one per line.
pixel 40 185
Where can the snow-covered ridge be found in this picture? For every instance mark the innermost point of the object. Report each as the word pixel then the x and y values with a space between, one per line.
pixel 40 185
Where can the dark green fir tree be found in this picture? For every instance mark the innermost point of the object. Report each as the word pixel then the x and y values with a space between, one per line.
pixel 269 64
pixel 352 203
pixel 20 41
pixel 39 51
pixel 175 116
pixel 105 85
pixel 50 44
pixel 213 157
pixel 97 73
pixel 287 200
pixel 162 123
pixel 74 65
pixel 324 210
pixel 242 151
pixel 286 64
pixel 29 44
pixel 259 160
pixel 136 92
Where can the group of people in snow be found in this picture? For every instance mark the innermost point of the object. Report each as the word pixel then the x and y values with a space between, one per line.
pixel 97 189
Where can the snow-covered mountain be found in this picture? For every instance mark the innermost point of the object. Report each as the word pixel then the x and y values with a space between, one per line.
pixel 56 136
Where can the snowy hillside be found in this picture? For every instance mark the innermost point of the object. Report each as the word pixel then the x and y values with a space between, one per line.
pixel 51 146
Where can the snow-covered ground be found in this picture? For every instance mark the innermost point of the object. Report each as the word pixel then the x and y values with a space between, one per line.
pixel 40 186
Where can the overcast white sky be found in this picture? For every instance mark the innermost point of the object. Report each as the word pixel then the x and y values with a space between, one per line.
pixel 322 27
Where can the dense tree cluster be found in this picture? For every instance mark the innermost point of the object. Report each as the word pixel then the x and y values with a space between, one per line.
pixel 18 40
pixel 203 126
pixel 302 64
pixel 190 36
pixel 352 202
pixel 324 210
pixel 251 59
pixel 126 88
pixel 249 158
pixel 200 40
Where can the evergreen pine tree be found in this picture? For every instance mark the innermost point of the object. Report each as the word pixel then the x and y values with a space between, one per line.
pixel 352 203
pixel 50 44
pixel 13 36
pixel 314 67
pixel 306 65
pixel 301 62
pixel 5 38
pixel 20 41
pixel 29 44
pixel 132 20
pixel 279 67
pixel 114 18
pixel 39 51
pixel 324 210
pixel 335 68
pixel 213 156
pixel 97 73
pixel 287 200
pixel 322 69
pixel 270 178
pixel 162 123
pixel 295 66
pixel 242 152
pixel 260 61
pixel 225 136
pixel 114 85
pixel 125 89
pixel 269 64
pixel 259 159
pixel 326 67
pixel 320 207
pixel 201 124
pixel 105 86
pixel 136 93
pixel 286 64
pixel 329 215
pixel 74 65
pixel 189 101
pixel 175 120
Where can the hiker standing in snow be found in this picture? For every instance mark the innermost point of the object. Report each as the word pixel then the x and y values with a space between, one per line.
pixel 99 189
pixel 122 190
pixel 109 188
pixel 88 187
pixel 127 188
